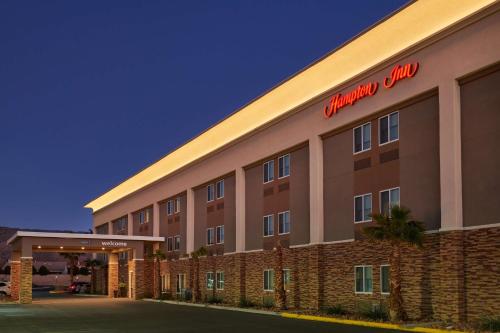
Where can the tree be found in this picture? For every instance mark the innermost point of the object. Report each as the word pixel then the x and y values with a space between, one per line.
pixel 397 229
pixel 196 258
pixel 6 270
pixel 158 256
pixel 83 271
pixel 93 264
pixel 72 259
pixel 43 270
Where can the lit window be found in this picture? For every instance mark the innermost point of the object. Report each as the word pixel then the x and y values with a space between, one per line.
pixel 177 205
pixel 268 225
pixel 210 192
pixel 269 280
pixel 220 280
pixel 362 208
pixel 385 273
pixel 362 138
pixel 219 234
pixel 364 280
pixel 269 171
pixel 389 199
pixel 165 282
pixel 284 222
pixel 284 166
pixel 177 243
pixel 219 193
pixel 286 279
pixel 170 245
pixel 210 280
pixel 181 283
pixel 210 236
pixel 170 207
pixel 389 128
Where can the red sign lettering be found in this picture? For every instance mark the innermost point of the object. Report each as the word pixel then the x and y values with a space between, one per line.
pixel 400 72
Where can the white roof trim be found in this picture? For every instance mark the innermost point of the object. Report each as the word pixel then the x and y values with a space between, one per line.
pixel 84 236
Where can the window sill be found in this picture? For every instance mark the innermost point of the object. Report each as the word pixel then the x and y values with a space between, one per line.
pixel 366 221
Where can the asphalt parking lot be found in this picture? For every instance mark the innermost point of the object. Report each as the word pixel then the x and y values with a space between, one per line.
pixel 100 314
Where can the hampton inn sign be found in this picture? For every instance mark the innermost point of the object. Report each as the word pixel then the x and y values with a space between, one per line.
pixel 398 73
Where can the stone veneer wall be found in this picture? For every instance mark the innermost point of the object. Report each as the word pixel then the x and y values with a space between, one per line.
pixel 454 277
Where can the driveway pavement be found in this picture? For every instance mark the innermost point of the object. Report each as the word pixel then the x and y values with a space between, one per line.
pixel 100 314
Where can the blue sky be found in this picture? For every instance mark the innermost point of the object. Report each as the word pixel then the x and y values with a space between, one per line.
pixel 93 91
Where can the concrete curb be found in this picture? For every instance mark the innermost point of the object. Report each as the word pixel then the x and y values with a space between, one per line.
pixel 217 307
pixel 366 323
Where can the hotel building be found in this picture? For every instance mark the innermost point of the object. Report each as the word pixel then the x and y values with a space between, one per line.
pixel 407 112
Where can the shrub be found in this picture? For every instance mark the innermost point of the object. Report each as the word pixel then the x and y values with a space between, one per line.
pixel 245 303
pixel 165 296
pixel 214 299
pixel 337 309
pixel 490 323
pixel 6 270
pixel 268 302
pixel 373 311
pixel 43 270
pixel 83 271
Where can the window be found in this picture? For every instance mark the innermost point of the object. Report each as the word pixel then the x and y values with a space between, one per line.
pixel 210 280
pixel 362 138
pixel 121 224
pixel 362 208
pixel 165 282
pixel 177 243
pixel 269 171
pixel 170 244
pixel 123 255
pixel 210 236
pixel 144 216
pixel 364 281
pixel 388 199
pixel 181 283
pixel 385 273
pixel 284 222
pixel 219 234
pixel 210 192
pixel 177 205
pixel 284 166
pixel 220 280
pixel 389 128
pixel 268 225
pixel 219 189
pixel 269 280
pixel 286 279
pixel 170 207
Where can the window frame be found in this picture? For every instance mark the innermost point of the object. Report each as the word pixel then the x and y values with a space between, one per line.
pixel 271 174
pixel 217 194
pixel 264 225
pixel 213 280
pixel 388 116
pixel 362 196
pixel 364 292
pixel 217 280
pixel 179 288
pixel 164 285
pixel 289 222
pixel 389 282
pixel 170 207
pixel 287 288
pixel 177 248
pixel 217 240
pixel 177 205
pixel 271 281
pixel 210 192
pixel 289 166
pixel 210 231
pixel 362 138
pixel 388 190
pixel 170 244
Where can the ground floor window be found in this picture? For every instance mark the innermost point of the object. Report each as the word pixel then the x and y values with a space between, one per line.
pixel 181 283
pixel 269 280
pixel 286 279
pixel 363 279
pixel 210 280
pixel 385 274
pixel 165 282
pixel 220 280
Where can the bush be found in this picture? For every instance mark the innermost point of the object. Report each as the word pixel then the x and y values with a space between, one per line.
pixel 373 311
pixel 490 323
pixel 166 296
pixel 43 270
pixel 268 302
pixel 337 309
pixel 245 303
pixel 214 299
pixel 83 271
pixel 6 270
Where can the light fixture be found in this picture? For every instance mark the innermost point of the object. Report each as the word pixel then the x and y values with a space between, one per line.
pixel 61 247
pixel 83 247
pixel 102 248
pixel 39 247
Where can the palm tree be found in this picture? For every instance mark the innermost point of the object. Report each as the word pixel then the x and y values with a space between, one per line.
pixel 93 264
pixel 158 256
pixel 72 259
pixel 397 229
pixel 196 258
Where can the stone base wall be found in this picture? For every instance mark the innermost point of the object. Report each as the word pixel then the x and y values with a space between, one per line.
pixel 112 278
pixel 454 277
pixel 15 282
pixel 139 283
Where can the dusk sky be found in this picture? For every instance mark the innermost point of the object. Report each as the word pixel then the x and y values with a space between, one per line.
pixel 91 92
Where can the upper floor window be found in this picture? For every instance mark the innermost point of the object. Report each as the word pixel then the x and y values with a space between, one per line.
pixel 177 205
pixel 284 166
pixel 144 216
pixel 219 189
pixel 388 199
pixel 177 243
pixel 269 171
pixel 362 208
pixel 268 225
pixel 210 192
pixel 219 234
pixel 122 224
pixel 210 236
pixel 389 128
pixel 362 138
pixel 170 244
pixel 364 279
pixel 269 280
pixel 284 222
pixel 170 207
pixel 385 287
